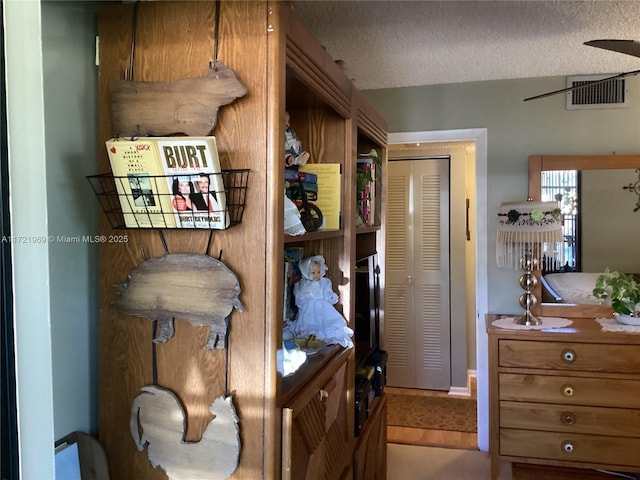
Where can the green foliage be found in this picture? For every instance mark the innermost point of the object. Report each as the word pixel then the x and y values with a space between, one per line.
pixel 373 153
pixel 620 289
pixel 364 177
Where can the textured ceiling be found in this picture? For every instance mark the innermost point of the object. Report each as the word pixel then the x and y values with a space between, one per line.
pixel 387 44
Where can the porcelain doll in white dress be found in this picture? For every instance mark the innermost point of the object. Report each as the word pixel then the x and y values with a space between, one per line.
pixel 315 300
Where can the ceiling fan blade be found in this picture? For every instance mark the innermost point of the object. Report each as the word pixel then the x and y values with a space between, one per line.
pixel 629 47
pixel 584 85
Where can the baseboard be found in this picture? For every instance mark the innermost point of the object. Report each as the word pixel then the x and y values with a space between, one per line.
pixel 459 391
pixel 432 438
pixel 470 390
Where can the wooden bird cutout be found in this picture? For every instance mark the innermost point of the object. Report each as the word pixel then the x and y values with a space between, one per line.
pixel 158 422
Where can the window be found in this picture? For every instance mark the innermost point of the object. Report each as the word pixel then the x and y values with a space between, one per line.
pixel 562 186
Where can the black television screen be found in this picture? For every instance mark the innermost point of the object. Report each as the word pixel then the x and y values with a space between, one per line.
pixel 367 306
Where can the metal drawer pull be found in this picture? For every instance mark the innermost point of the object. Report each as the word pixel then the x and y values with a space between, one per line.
pixel 569 356
pixel 568 390
pixel 567 447
pixel 568 418
pixel 323 394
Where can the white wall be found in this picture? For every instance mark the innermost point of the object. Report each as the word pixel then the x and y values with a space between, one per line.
pixel 52 86
pixel 70 104
pixel 515 130
pixel 607 207
pixel 30 258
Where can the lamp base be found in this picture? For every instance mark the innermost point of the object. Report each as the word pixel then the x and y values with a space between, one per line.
pixel 527 318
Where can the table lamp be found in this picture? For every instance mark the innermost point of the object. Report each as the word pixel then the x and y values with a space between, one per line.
pixel 527 231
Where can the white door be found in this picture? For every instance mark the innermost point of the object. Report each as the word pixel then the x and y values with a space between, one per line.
pixel 417 328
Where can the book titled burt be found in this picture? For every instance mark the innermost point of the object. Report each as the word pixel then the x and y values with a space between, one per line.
pixel 192 167
pixel 180 182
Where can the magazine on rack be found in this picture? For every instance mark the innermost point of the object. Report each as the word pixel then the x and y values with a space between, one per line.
pixel 140 183
pixel 194 179
pixel 169 182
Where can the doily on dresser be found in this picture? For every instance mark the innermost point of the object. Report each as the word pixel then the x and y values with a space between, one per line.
pixel 612 325
pixel 547 322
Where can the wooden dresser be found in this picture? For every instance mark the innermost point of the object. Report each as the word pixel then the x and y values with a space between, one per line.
pixel 567 397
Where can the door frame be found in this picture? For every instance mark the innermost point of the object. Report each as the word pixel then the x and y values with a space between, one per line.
pixel 8 406
pixel 479 136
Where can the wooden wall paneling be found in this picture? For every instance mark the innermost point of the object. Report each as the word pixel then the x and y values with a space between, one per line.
pixel 125 342
pixel 175 40
pixel 324 136
pixel 275 114
pixel 370 455
pixel 275 417
pixel 269 50
pixel 243 132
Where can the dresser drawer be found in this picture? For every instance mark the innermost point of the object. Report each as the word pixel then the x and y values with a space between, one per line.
pixel 600 392
pixel 586 357
pixel 575 419
pixel 596 449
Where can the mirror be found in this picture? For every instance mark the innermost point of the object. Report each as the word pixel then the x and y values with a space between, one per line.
pixel 587 164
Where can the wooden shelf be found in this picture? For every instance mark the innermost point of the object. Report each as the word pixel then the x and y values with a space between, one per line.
pixel 309 236
pixel 367 229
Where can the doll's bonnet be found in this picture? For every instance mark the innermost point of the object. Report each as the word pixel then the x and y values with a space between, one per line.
pixel 305 266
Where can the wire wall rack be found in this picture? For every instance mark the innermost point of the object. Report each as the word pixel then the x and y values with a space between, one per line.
pixel 147 201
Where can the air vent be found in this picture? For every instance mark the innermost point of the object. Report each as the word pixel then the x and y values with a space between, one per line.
pixel 610 94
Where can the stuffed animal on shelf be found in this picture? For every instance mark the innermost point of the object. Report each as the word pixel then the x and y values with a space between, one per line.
pixel 293 152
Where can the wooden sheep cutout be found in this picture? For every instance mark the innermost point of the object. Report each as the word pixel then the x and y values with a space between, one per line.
pixel 197 288
pixel 158 422
pixel 189 106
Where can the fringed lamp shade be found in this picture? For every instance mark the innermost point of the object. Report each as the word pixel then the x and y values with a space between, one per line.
pixel 527 231
pixel 527 227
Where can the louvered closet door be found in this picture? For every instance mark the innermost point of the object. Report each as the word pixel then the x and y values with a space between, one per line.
pixel 417 330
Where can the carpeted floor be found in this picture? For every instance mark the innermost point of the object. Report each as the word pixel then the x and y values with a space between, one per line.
pixel 427 412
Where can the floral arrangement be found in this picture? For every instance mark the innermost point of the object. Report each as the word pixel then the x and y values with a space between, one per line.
pixel 619 289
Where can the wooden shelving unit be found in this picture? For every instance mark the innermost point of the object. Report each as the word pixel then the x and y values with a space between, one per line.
pixel 285 70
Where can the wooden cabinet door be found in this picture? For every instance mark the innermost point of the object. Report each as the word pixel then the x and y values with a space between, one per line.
pixel 370 455
pixel 315 435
